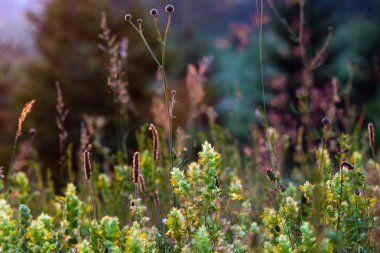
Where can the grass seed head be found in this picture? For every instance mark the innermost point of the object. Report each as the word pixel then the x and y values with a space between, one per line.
pixel 25 111
pixel 371 135
pixel 136 167
pixel 87 167
pixel 156 141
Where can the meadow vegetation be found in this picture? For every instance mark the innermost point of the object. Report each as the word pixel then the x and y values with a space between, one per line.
pixel 314 189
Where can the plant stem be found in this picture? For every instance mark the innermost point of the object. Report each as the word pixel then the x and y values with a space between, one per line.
pixel 340 197
pixel 92 200
pixel 11 168
pixel 261 60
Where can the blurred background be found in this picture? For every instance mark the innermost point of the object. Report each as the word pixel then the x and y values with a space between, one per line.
pixel 47 41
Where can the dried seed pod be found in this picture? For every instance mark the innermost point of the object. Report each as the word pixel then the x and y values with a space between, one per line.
pixel 371 135
pixel 347 165
pixel 169 8
pixel 136 167
pixel 282 187
pixel 153 12
pixel 128 17
pixel 32 132
pixel 156 141
pixel 277 228
pixel 142 183
pixel 87 167
pixel 325 121
pixel 271 176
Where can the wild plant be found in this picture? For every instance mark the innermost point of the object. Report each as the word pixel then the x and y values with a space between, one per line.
pixel 161 64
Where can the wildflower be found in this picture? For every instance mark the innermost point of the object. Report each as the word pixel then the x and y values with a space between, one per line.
pixel 202 241
pixel 176 224
pixel 329 196
pixel 236 190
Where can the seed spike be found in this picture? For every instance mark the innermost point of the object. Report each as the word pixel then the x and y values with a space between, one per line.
pixel 136 167
pixel 87 167
pixel 371 135
pixel 155 141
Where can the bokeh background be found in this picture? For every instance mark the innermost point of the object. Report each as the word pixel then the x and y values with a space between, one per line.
pixel 45 41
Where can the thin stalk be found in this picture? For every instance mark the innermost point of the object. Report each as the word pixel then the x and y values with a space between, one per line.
pixel 282 20
pixel 136 190
pixel 323 151
pixel 157 29
pixel 261 59
pixel 93 200
pixel 146 44
pixel 340 197
pixel 374 157
pixel 11 167
pixel 154 194
pixel 300 35
pixel 165 84
pixel 314 63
